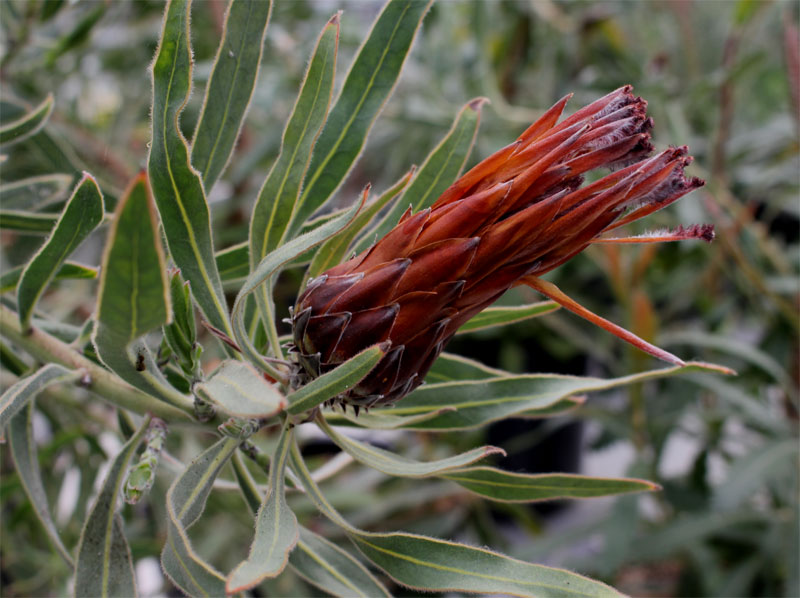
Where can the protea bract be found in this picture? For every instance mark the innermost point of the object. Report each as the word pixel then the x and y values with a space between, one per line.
pixel 513 217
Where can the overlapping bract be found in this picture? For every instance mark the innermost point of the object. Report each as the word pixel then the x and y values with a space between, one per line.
pixel 518 214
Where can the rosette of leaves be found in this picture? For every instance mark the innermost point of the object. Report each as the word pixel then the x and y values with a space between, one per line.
pixel 140 350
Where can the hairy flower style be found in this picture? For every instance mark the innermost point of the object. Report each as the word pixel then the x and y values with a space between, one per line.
pixel 518 214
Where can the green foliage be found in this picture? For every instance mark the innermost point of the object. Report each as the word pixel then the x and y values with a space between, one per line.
pixel 276 526
pixel 239 207
pixel 82 214
pixel 238 390
pixel 27 125
pixel 104 566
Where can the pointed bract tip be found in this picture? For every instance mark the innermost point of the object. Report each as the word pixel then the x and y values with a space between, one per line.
pixel 334 20
pixel 476 104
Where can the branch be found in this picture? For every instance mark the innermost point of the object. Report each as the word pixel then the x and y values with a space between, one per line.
pixel 48 349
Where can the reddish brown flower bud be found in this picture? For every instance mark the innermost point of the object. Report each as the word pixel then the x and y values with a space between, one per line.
pixel 516 215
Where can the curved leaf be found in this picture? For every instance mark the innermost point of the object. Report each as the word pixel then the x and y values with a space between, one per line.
pixel 104 566
pixel 82 214
pixel 28 124
pixel 34 192
pixel 230 87
pixel 431 564
pixel 398 465
pixel 27 222
pixel 478 402
pixel 69 270
pixel 451 367
pixel 186 500
pixel 26 462
pixel 18 394
pixel 368 85
pixel 133 297
pixel 381 419
pixel 338 380
pixel 500 316
pixel 177 187
pixel 276 527
pixel 278 195
pixel 332 569
pixel 507 486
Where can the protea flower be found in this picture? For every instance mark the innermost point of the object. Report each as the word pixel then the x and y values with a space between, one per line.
pixel 516 215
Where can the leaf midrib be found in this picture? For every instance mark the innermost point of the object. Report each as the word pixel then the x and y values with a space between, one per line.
pixel 349 123
pixel 179 202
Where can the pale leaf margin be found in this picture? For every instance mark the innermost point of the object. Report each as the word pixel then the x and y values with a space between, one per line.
pixel 103 526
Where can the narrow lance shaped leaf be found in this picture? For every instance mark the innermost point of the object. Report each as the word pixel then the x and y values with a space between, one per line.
pixel 177 187
pixel 398 465
pixel 27 125
pixel 82 214
pixel 280 190
pixel 336 381
pixel 57 155
pixel 276 527
pixel 476 403
pixel 506 486
pixel 238 390
pixel 368 85
pixel 104 567
pixel 133 299
pixel 501 316
pixel 271 263
pixel 230 87
pixel 335 249
pixel 385 420
pixel 439 170
pixel 35 192
pixel 315 559
pixel 26 462
pixel 382 419
pixel 332 569
pixel 450 367
pixel 69 270
pixel 431 564
pixel 186 500
pixel 278 194
pixel 27 222
pixel 18 394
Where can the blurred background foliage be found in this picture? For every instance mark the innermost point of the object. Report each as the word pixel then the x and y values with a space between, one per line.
pixel 722 77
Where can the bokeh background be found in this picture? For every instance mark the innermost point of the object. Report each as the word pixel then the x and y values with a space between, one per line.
pixel 722 77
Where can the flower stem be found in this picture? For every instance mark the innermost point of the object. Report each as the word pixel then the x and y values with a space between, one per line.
pixel 48 349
